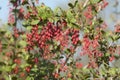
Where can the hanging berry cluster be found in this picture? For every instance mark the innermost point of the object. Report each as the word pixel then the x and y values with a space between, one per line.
pixel 50 33
pixel 75 37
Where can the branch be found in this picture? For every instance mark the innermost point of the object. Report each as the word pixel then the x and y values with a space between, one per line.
pixel 85 3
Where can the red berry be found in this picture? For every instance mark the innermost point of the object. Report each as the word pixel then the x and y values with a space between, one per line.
pixel 28 69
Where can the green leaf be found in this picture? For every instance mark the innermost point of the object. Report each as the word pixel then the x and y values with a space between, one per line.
pixel 75 2
pixel 86 30
pixel 24 65
pixel 67 51
pixel 57 11
pixel 14 65
pixel 14 78
pixel 6 68
pixel 2 32
pixel 117 37
pixel 70 5
pixel 8 33
pixel 7 77
pixel 2 63
pixel 94 1
pixel 26 57
pixel 11 40
pixel 34 22
pixel 22 43
pixel 112 71
pixel 107 54
pixel 70 17
pixel 69 79
pixel 76 25
pixel 23 36
pixel 29 28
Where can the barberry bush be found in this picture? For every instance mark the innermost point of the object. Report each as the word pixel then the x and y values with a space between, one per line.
pixel 42 44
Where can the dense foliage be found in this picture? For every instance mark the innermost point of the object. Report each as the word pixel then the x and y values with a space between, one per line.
pixel 47 43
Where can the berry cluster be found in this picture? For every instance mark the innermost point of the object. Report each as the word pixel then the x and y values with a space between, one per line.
pixel 88 13
pixel 40 39
pixel 51 32
pixel 75 36
pixel 28 68
pixel 16 32
pixel 11 19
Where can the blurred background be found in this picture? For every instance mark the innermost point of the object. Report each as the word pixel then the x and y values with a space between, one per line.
pixel 111 14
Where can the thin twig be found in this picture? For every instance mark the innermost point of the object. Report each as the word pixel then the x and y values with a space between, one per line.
pixel 85 3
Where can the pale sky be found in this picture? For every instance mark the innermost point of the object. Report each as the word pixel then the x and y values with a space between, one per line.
pixel 4 10
pixel 4 4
